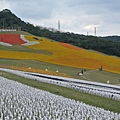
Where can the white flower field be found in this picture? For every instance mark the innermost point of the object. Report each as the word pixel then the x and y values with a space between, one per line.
pixel 21 102
pixel 95 88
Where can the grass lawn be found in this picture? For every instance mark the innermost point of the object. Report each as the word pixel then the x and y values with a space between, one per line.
pixel 20 48
pixel 103 76
pixel 97 101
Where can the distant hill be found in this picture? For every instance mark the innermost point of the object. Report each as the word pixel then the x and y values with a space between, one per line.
pixel 107 45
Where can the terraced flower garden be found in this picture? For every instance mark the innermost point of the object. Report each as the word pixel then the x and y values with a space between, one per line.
pixel 61 53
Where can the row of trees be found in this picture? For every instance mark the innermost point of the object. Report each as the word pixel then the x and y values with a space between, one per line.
pixel 109 45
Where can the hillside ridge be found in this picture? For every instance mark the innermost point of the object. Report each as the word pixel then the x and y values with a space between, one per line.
pixel 101 44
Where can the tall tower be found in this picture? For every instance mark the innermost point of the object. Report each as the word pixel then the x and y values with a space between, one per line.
pixel 58 25
pixel 94 31
pixel 87 33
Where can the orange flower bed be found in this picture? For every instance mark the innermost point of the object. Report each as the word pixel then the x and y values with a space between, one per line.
pixel 69 46
pixel 79 61
pixel 29 69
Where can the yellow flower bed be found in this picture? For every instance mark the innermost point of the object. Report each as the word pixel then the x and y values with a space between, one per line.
pixel 32 38
pixel 51 46
pixel 22 55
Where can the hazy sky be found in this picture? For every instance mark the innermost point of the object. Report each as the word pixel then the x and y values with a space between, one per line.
pixel 78 16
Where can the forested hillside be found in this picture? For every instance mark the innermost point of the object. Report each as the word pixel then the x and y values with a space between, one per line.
pixel 113 38
pixel 109 45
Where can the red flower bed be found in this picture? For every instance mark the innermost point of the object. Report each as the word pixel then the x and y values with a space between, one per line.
pixel 13 39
